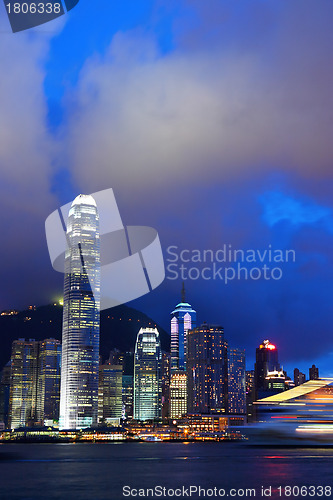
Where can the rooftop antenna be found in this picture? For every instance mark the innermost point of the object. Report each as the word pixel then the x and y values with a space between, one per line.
pixel 183 292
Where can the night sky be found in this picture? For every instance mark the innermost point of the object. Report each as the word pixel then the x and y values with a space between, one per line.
pixel 212 121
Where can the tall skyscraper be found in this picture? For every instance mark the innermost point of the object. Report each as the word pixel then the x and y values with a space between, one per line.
pixel 207 370
pixel 128 384
pixel 166 362
pixel 34 382
pixel 48 383
pixel 183 319
pixel 81 317
pixel 236 381
pixel 313 373
pixel 148 375
pixel 250 395
pixel 178 394
pixel 23 383
pixel 110 398
pixel 4 394
pixel 266 361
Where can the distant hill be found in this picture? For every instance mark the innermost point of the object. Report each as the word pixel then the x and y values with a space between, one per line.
pixel 119 328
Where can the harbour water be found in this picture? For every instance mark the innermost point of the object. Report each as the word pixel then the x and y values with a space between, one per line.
pixel 114 471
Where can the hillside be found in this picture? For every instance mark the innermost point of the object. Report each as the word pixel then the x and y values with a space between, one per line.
pixel 119 328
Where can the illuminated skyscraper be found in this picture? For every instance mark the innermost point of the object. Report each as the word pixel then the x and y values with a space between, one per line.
pixel 81 317
pixel 34 382
pixel 183 319
pixel 48 383
pixel 23 383
pixel 178 394
pixel 128 384
pixel 166 360
pixel 110 398
pixel 148 375
pixel 4 394
pixel 266 361
pixel 236 381
pixel 207 370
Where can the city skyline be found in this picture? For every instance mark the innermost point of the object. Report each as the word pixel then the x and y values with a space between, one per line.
pixel 213 384
pixel 235 106
pixel 250 357
pixel 201 135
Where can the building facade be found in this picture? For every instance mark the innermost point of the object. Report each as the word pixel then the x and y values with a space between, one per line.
pixel 236 381
pixel 4 395
pixel 23 383
pixel 148 375
pixel 183 319
pixel 34 393
pixel 178 394
pixel 313 373
pixel 128 385
pixel 266 361
pixel 207 370
pixel 110 398
pixel 48 383
pixel 166 366
pixel 81 317
pixel 299 377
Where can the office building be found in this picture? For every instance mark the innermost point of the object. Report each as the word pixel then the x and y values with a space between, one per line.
pixel 236 381
pixel 166 374
pixel 313 373
pixel 178 394
pixel 207 370
pixel 183 319
pixel 48 383
pixel 299 377
pixel 128 384
pixel 4 394
pixel 110 397
pixel 266 361
pixel 148 375
pixel 23 383
pixel 81 317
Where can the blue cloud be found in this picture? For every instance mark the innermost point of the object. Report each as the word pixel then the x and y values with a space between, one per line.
pixel 279 207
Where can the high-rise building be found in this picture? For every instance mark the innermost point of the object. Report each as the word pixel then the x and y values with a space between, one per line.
pixel 148 375
pixel 313 373
pixel 178 394
pixel 81 317
pixel 207 370
pixel 110 398
pixel 23 383
pixel 236 381
pixel 128 384
pixel 299 377
pixel 250 395
pixel 183 319
pixel 34 382
pixel 4 394
pixel 166 365
pixel 48 383
pixel 266 361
